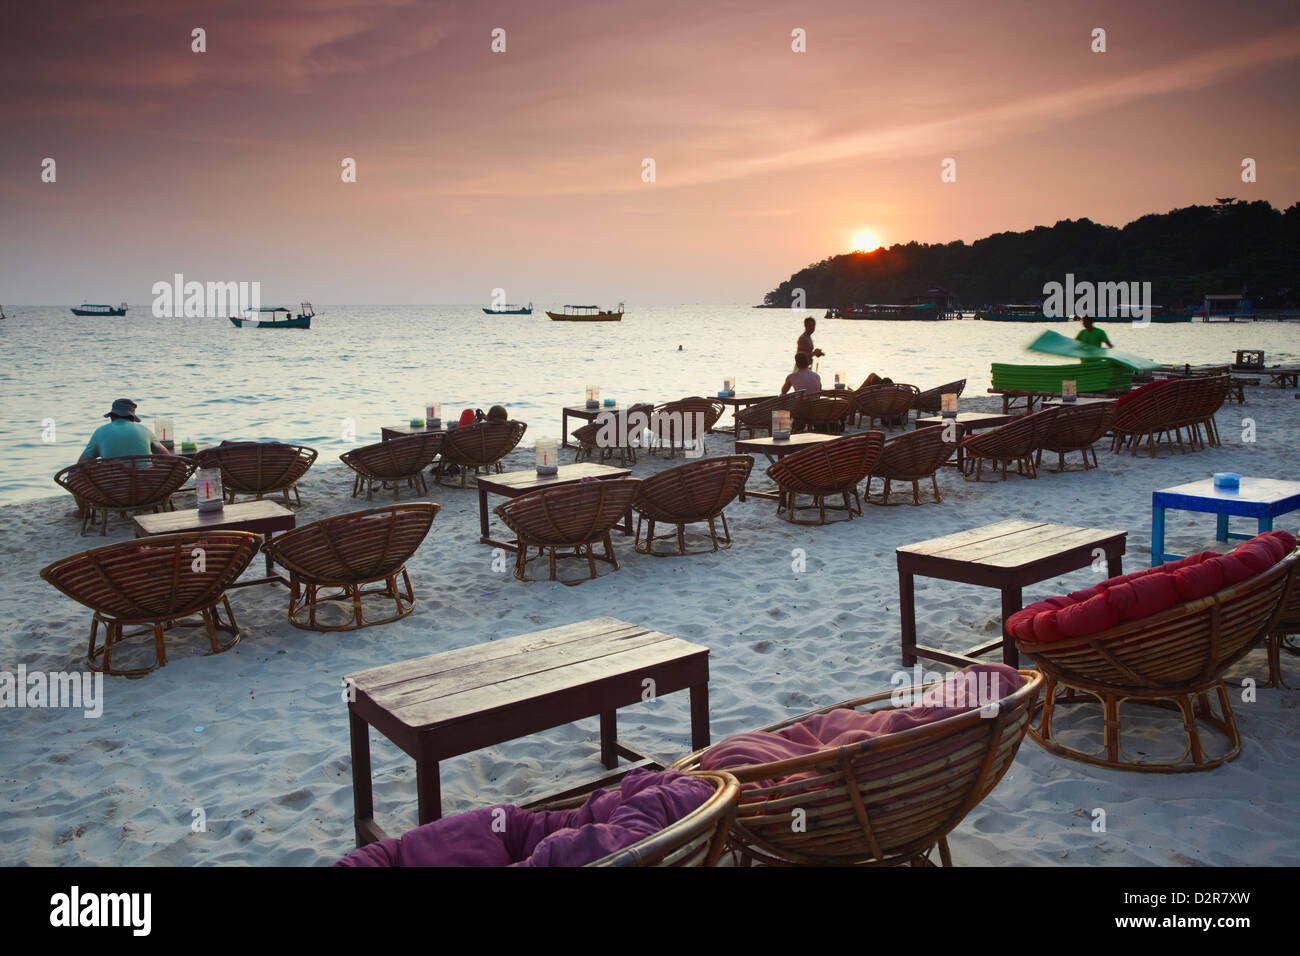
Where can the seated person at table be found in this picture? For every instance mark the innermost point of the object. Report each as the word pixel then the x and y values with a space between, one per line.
pixel 802 378
pixel 498 413
pixel 122 436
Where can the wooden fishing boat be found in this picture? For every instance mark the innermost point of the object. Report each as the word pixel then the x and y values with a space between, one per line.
pixel 586 313
pixel 254 320
pixel 1158 315
pixel 1016 313
pixel 87 308
pixel 511 310
pixel 920 312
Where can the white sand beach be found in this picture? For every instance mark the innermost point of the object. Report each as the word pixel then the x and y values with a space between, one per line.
pixel 257 738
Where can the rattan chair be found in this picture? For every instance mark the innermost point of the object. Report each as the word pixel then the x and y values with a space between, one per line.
pixel 1077 428
pixel 259 468
pixel 1174 659
pixel 758 417
pixel 931 400
pixel 912 456
pixel 1018 441
pixel 393 463
pixel 1282 635
pixel 829 468
pixel 128 484
pixel 481 446
pixel 347 552
pixel 687 420
pixel 695 491
pixel 1165 409
pixel 884 801
pixel 890 403
pixel 628 424
pixel 155 582
pixel 820 412
pixel 573 516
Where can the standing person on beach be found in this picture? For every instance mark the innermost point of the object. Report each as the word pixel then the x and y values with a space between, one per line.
pixel 122 436
pixel 805 344
pixel 1092 336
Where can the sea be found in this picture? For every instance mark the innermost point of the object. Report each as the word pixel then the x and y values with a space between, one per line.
pixel 362 367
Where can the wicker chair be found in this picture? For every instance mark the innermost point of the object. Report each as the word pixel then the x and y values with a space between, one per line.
pixel 1018 441
pixel 758 417
pixel 1174 659
pixel 912 456
pixel 1165 409
pixel 885 801
pixel 128 484
pixel 889 403
pixel 630 424
pixel 1077 428
pixel 1281 636
pixel 696 417
pixel 695 491
pixel 820 412
pixel 392 462
pixel 573 516
pixel 259 468
pixel 931 400
pixel 347 552
pixel 481 446
pixel 155 582
pixel 830 468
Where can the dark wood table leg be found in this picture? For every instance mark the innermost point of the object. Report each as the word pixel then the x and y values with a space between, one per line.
pixel 482 513
pixel 362 795
pixel 1011 603
pixel 907 616
pixel 609 739
pixel 699 716
pixel 428 787
pixel 1114 565
pixel 564 429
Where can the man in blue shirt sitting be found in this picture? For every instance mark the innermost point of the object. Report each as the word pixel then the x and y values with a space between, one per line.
pixel 122 436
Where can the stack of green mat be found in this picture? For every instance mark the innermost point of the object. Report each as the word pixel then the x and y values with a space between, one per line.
pixel 1093 375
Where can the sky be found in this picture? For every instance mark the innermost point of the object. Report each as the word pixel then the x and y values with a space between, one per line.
pixel 525 170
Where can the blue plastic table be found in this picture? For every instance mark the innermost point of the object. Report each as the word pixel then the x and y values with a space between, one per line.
pixel 1261 498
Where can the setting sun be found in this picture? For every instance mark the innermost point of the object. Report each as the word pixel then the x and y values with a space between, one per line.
pixel 865 241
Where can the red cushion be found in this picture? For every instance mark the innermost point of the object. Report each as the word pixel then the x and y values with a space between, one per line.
pixel 1126 398
pixel 1198 580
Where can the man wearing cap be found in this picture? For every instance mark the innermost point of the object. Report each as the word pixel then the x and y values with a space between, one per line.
pixel 122 436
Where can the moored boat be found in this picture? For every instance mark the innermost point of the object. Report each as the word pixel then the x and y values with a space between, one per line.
pixel 586 313
pixel 87 308
pixel 1016 313
pixel 511 310
pixel 300 321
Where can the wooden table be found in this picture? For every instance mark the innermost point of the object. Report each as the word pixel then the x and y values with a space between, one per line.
pixel 737 404
pixel 1081 400
pixel 389 432
pixel 968 423
pixel 1260 498
pixel 460 701
pixel 1009 396
pixel 261 517
pixel 1006 556
pixel 587 415
pixel 773 449
pixel 512 484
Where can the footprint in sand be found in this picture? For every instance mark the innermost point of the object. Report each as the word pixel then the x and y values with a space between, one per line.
pixel 762 647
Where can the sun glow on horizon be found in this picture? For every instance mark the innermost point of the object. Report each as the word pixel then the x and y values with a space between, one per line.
pixel 864 240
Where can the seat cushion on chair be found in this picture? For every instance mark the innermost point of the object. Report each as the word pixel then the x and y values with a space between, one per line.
pixel 645 803
pixel 1140 594
pixel 1148 387
pixel 842 727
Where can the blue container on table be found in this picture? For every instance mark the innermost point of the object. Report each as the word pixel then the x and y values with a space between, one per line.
pixel 1227 479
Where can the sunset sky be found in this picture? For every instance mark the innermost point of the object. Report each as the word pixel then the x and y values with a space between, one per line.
pixel 523 169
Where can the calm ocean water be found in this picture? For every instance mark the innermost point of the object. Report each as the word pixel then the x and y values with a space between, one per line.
pixel 379 365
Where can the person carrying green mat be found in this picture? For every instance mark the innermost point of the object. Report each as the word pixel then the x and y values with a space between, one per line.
pixel 1092 336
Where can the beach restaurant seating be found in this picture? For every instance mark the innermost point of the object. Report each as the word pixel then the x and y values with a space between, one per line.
pixel 652 818
pixel 629 426
pixel 128 484
pixel 393 463
pixel 888 402
pixel 1161 636
pixel 877 781
pixel 481 446
pixel 1164 408
pixel 931 400
pixel 829 468
pixel 822 412
pixel 693 492
pixel 1077 428
pixel 674 424
pixel 347 552
pixel 912 456
pixel 1018 441
pixel 573 517
pixel 1281 637
pixel 155 582
pixel 758 417
pixel 258 468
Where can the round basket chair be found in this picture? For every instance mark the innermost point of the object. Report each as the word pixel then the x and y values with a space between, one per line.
pixel 695 491
pixel 628 424
pixel 1281 637
pixel 829 468
pixel 1077 428
pixel 259 468
pixel 931 400
pixel 127 484
pixel 1163 409
pixel 674 425
pixel 884 801
pixel 888 402
pixel 346 552
pixel 392 463
pixel 573 517
pixel 758 417
pixel 912 456
pixel 1173 660
pixel 480 446
pixel 820 412
pixel 155 582
pixel 1018 441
